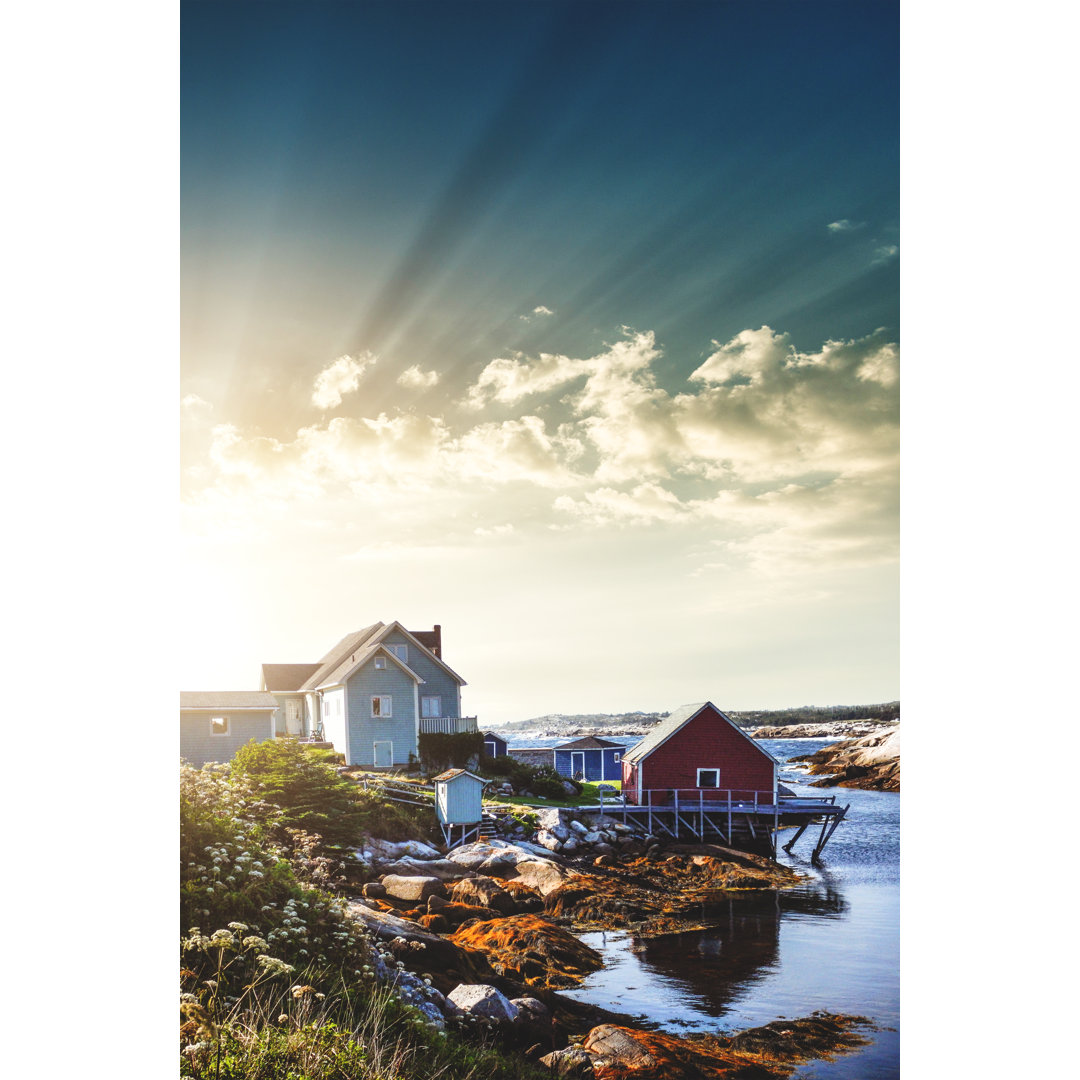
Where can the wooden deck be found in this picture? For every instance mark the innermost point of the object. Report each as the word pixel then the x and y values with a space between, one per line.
pixel 748 820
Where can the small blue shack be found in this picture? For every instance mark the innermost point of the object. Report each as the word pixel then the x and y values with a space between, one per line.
pixel 494 746
pixel 590 759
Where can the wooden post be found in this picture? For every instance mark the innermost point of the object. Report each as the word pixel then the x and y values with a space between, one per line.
pixel 802 828
pixel 649 801
pixel 676 794
pixel 729 834
pixel 701 813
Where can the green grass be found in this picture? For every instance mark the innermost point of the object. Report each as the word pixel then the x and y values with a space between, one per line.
pixel 589 797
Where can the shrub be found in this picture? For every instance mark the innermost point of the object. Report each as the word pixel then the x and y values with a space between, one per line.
pixel 439 752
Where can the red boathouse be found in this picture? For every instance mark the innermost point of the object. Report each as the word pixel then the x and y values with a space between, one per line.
pixel 699 753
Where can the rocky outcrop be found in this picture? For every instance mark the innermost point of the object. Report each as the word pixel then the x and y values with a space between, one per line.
pixel 532 950
pixel 871 763
pixel 833 729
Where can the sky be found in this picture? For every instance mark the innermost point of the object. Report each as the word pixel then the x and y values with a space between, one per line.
pixel 573 328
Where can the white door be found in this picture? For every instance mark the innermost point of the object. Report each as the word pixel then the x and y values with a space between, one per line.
pixel 293 720
pixel 384 754
pixel 577 763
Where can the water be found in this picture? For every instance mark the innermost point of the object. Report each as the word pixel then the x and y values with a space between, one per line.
pixel 833 943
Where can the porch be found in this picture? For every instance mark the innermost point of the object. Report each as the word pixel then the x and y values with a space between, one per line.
pixel 448 725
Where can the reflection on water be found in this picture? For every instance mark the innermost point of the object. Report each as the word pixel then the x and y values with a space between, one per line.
pixel 831 944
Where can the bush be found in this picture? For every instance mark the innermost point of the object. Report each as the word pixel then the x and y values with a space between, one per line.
pixel 440 752
pixel 539 779
pixel 305 787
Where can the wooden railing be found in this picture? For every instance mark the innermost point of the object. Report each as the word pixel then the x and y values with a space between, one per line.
pixel 447 725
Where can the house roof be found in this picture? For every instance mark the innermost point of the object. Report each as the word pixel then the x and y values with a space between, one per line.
pixel 493 735
pixel 590 742
pixel 287 677
pixel 453 774
pixel 678 719
pixel 356 649
pixel 258 700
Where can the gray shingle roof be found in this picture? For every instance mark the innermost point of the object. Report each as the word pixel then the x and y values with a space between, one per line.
pixel 284 677
pixel 226 699
pixel 590 742
pixel 668 726
pixel 339 656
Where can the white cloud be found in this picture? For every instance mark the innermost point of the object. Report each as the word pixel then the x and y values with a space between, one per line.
pixel 844 225
pixel 339 378
pixel 414 379
pixel 781 454
pixel 885 253
pixel 538 310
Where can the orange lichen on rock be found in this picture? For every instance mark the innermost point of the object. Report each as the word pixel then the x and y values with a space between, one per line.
pixel 772 1052
pixel 532 949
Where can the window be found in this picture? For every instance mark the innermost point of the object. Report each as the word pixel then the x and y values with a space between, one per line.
pixel 617 757
pixel 380 663
pixel 431 706
pixel 708 778
pixel 400 651
pixel 381 705
pixel 219 725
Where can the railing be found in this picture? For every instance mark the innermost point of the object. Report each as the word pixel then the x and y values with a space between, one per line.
pixel 447 725
pixel 671 798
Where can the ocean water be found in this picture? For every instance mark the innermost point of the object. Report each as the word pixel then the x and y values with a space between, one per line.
pixel 831 944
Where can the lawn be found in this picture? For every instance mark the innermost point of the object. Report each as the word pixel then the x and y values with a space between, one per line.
pixel 589 797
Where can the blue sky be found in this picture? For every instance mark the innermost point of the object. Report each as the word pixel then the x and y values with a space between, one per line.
pixel 595 303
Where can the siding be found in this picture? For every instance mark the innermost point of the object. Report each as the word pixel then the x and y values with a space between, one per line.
pixel 708 742
pixel 198 746
pixel 599 763
pixel 459 801
pixel 494 747
pixel 364 729
pixel 436 682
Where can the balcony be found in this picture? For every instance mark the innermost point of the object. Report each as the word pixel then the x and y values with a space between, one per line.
pixel 447 725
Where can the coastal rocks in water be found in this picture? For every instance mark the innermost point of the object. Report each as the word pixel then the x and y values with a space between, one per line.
pixel 531 949
pixel 871 763
pixel 476 999
pixel 775 1050
pixel 831 729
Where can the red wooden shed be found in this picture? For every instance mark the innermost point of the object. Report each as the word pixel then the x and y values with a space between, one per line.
pixel 699 752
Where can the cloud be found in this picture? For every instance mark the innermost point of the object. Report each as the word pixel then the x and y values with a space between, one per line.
pixel 771 452
pixel 844 225
pixel 339 378
pixel 538 310
pixel 413 378
pixel 885 253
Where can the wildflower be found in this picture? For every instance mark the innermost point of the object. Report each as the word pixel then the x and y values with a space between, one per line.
pixel 283 1018
pixel 238 926
pixel 253 941
pixel 271 965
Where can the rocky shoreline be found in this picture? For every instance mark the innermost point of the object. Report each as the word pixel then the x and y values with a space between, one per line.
pixel 871 762
pixel 486 934
pixel 834 729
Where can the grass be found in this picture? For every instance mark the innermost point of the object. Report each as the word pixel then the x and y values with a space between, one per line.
pixel 589 796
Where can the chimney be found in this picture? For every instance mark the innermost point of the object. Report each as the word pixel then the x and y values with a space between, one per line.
pixel 437 635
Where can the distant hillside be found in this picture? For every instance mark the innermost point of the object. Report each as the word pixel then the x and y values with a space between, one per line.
pixel 638 723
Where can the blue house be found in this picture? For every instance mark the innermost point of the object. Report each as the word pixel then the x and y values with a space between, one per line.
pixel 590 759
pixel 372 695
pixel 494 745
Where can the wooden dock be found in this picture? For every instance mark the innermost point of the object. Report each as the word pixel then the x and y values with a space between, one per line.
pixel 749 820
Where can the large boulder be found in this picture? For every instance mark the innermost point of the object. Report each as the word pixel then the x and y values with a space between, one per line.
pixel 416 889
pixel 444 869
pixel 485 1001
pixel 541 874
pixel 483 892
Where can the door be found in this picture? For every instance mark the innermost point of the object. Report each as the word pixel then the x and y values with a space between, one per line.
pixel 384 754
pixel 577 764
pixel 293 720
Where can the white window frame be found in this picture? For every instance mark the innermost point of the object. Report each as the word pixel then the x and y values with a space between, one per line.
pixel 400 651
pixel 380 663
pixel 715 786
pixel 385 708
pixel 219 720
pixel 617 757
pixel 425 698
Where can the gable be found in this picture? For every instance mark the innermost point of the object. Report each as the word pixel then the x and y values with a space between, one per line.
pixel 678 720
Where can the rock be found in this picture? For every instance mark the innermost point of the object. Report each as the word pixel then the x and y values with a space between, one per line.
pixel 573 1062
pixel 526 898
pixel 550 819
pixel 570 789
pixel 619 1046
pixel 455 914
pixel 498 866
pixel 532 1011
pixel 541 874
pixel 437 924
pixel 374 890
pixel 431 1013
pixel 605 850
pixel 580 829
pixel 477 999
pixel 548 840
pixel 871 762
pixel 532 949
pixel 389 850
pixel 444 869
pixel 571 846
pixel 435 903
pixel 484 892
pixel 412 888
